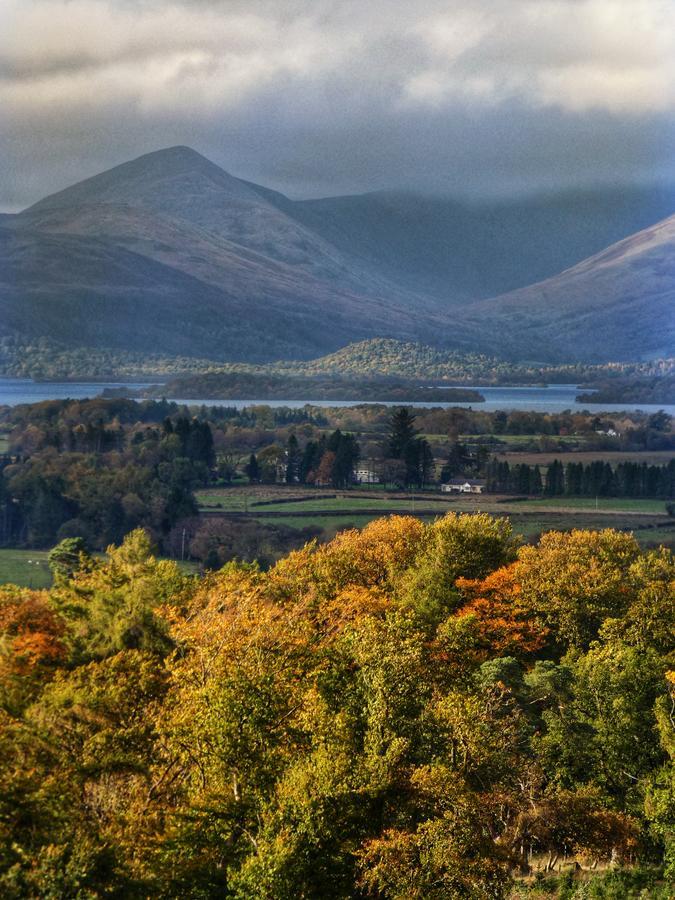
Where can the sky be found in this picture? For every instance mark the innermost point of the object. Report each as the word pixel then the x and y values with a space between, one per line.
pixel 314 98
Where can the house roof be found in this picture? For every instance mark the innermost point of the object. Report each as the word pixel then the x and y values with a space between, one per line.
pixel 474 482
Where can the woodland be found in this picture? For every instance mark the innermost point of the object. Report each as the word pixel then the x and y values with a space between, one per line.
pixel 408 711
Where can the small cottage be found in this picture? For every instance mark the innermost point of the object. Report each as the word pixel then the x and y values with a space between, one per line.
pixel 463 486
pixel 366 475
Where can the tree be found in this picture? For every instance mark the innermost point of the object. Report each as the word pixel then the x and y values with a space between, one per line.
pixel 573 582
pixel 456 546
pixel 272 463
pixel 67 557
pixel 426 463
pixel 293 460
pixel 456 462
pixel 555 479
pixel 252 469
pixel 402 432
pixel 408 710
pixel 346 457
pixel 311 457
pixel 659 421
pixel 324 472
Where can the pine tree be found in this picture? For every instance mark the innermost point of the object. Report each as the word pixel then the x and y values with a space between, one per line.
pixel 293 460
pixel 536 485
pixel 555 479
pixel 402 432
pixel 252 469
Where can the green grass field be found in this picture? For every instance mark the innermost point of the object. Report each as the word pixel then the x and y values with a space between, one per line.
pixel 245 499
pixel 221 499
pixel 356 503
pixel 618 504
pixel 239 498
pixel 654 537
pixel 27 568
pixel 330 524
pixel 530 517
pixel 4 443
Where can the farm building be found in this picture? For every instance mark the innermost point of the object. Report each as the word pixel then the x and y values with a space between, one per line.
pixel 366 475
pixel 463 486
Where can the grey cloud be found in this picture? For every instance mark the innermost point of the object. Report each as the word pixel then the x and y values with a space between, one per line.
pixel 318 98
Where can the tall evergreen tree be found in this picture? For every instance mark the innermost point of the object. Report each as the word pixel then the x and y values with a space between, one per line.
pixel 402 432
pixel 555 479
pixel 293 460
pixel 311 457
pixel 252 469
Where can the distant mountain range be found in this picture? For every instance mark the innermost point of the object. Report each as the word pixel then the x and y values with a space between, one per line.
pixel 170 254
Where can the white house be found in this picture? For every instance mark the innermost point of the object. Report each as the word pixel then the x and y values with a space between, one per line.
pixel 463 486
pixel 365 475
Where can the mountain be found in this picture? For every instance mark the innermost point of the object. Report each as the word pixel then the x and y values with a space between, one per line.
pixel 619 304
pixel 170 254
pixel 458 251
pixel 187 259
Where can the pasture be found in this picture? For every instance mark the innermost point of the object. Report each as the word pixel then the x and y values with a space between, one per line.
pixel 27 568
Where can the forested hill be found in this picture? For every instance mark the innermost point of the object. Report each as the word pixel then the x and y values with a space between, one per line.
pixel 378 358
pixel 414 360
pixel 648 389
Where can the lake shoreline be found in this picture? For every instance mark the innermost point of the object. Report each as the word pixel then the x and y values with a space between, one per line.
pixel 553 398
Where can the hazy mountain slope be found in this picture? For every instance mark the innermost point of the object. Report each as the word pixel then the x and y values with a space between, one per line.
pixel 94 293
pixel 88 292
pixel 264 276
pixel 619 304
pixel 460 252
pixel 180 185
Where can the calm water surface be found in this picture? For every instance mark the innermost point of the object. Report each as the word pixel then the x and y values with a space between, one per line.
pixel 554 398
pixel 22 390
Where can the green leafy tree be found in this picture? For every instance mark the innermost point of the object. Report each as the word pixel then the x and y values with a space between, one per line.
pixel 68 556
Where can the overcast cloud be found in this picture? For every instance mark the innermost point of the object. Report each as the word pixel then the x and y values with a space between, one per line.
pixel 318 98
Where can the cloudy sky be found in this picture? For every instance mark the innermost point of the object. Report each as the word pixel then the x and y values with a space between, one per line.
pixel 318 97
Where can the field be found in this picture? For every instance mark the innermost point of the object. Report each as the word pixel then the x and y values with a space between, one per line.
pixel 25 567
pixel 356 504
pixel 335 511
pixel 613 504
pixel 29 568
pixel 614 457
pixel 329 524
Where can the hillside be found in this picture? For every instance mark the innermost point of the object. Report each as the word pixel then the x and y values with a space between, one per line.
pixel 216 270
pixel 168 254
pixel 456 251
pixel 618 302
pixel 399 359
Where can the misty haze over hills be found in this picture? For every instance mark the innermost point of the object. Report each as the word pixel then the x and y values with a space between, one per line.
pixel 169 253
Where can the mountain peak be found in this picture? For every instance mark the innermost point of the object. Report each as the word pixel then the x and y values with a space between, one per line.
pixel 166 159
pixel 150 180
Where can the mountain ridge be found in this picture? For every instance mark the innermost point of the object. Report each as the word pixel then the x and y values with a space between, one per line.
pixel 632 286
pixel 232 270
